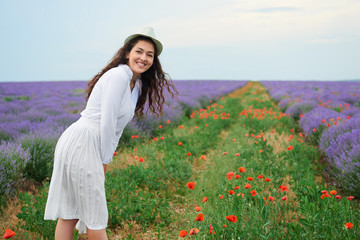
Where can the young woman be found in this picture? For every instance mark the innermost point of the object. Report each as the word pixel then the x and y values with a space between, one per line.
pixel 120 90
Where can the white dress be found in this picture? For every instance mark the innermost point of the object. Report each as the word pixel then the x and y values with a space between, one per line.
pixel 77 183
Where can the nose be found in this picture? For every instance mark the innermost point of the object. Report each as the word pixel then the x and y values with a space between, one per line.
pixel 143 56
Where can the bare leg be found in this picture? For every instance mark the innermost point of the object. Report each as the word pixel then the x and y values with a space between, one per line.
pixel 65 229
pixel 96 234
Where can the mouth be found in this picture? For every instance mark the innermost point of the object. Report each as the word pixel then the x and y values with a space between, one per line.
pixel 140 64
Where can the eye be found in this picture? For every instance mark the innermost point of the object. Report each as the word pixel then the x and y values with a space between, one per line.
pixel 150 55
pixel 138 51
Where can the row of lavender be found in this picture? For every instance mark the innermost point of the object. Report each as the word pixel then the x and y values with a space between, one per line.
pixel 33 115
pixel 329 114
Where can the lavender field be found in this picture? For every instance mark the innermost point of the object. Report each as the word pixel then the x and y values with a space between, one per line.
pixel 33 115
pixel 323 116
pixel 329 114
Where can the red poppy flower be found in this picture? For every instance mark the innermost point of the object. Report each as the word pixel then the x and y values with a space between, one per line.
pixel 237 187
pixel 348 225
pixel 225 153
pixel 333 192
pixel 237 176
pixel 260 151
pixel 290 148
pixel 230 175
pixel 231 192
pixel 338 197
pixel 350 198
pixel 249 178
pixel 325 195
pixel 283 188
pixel 198 209
pixel 160 126
pixel 202 157
pixel 179 143
pixel 181 126
pixel 155 139
pixel 115 153
pixel 9 233
pixel 270 198
pixel 260 176
pixel 183 233
pixel 191 185
pixel 247 186
pixel 168 121
pixel 241 169
pixel 232 218
pixel 161 138
pixel 211 229
pixel 324 192
pixel 267 180
pixel 204 199
pixel 194 231
pixel 141 159
pixel 237 154
pixel 234 140
pixel 224 226
pixel 253 193
pixel 199 217
pixel 188 154
pixel 221 197
pixel 284 198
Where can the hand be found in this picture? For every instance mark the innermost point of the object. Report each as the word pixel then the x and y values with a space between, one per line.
pixel 105 168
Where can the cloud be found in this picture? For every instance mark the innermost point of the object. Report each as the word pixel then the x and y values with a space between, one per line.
pixel 243 22
pixel 275 9
pixel 328 40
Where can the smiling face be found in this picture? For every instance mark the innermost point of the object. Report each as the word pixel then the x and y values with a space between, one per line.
pixel 141 57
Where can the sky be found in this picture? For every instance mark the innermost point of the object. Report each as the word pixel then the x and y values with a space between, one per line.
pixel 62 40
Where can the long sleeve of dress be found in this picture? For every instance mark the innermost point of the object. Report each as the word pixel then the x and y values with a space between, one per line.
pixel 116 84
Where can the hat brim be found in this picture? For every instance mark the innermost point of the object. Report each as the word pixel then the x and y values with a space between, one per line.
pixel 158 44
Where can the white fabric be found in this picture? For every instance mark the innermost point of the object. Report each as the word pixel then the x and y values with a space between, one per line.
pixel 112 104
pixel 77 184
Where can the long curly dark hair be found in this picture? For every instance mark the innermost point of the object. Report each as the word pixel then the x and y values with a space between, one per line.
pixel 153 81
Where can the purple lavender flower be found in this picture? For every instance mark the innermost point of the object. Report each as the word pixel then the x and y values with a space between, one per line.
pixel 313 119
pixel 300 108
pixel 344 156
pixel 13 159
pixel 331 134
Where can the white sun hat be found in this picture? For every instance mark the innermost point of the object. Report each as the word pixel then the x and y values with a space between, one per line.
pixel 147 32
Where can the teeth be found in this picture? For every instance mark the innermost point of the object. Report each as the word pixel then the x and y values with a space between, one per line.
pixel 141 64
